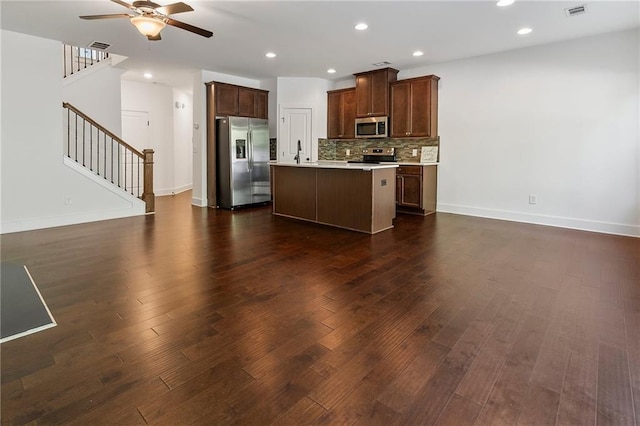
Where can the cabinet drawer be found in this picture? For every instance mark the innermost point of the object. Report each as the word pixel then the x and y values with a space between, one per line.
pixel 409 170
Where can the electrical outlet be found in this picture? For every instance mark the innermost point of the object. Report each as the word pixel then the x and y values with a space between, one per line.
pixel 414 152
pixel 533 199
pixel 348 152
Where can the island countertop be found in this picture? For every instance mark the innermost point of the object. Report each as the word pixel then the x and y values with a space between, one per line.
pixel 325 164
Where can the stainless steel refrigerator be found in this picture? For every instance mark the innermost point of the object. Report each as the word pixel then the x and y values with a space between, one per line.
pixel 242 161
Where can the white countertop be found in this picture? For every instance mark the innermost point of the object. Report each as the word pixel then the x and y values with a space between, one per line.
pixel 338 165
pixel 406 163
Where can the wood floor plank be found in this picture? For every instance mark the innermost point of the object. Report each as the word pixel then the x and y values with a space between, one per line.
pixel 579 392
pixel 614 387
pixel 540 406
pixel 406 385
pixel 459 412
pixel 207 316
pixel 509 392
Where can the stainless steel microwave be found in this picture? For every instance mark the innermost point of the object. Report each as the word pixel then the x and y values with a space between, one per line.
pixel 372 127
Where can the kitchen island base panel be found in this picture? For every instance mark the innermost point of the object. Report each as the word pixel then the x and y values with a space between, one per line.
pixel 358 200
pixel 294 194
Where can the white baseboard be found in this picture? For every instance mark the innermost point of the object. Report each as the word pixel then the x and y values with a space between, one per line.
pixel 174 191
pixel 198 202
pixel 561 222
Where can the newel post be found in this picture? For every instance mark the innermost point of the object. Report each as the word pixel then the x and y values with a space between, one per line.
pixel 147 195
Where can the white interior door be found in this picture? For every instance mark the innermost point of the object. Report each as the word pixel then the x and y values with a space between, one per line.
pixel 135 132
pixel 295 125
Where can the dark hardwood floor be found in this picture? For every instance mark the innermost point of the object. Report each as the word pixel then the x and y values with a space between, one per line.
pixel 198 316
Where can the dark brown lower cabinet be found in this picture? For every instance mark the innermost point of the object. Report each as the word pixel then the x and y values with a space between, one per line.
pixel 416 188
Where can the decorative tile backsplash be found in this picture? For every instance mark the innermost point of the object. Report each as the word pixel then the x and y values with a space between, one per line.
pixel 336 149
pixel 273 149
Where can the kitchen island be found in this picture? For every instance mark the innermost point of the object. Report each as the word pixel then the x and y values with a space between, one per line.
pixel 355 196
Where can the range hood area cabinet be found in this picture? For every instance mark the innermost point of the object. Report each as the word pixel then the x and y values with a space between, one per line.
pixel 372 92
pixel 232 100
pixel 341 114
pixel 414 107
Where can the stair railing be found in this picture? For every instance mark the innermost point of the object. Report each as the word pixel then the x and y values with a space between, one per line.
pixel 75 59
pixel 105 154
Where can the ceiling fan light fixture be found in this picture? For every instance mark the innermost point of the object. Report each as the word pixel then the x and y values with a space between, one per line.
pixel 148 25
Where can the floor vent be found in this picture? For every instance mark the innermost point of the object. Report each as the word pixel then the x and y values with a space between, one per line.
pixel 577 10
pixel 99 45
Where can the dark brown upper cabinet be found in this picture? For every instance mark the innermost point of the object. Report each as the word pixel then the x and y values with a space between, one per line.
pixel 414 107
pixel 241 101
pixel 341 114
pixel 372 92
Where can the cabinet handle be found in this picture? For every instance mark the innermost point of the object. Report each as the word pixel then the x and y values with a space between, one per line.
pixel 407 133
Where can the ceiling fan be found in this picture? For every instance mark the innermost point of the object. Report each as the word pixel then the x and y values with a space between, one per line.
pixel 150 18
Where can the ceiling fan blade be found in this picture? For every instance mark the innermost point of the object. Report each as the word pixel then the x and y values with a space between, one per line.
pixel 121 3
pixel 170 9
pixel 154 38
pixel 188 27
pixel 113 15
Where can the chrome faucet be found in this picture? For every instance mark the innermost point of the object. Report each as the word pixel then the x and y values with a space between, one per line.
pixel 297 157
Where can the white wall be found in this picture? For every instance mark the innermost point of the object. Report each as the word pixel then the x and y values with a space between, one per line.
pixel 34 181
pixel 96 92
pixel 296 92
pixel 157 100
pixel 559 121
pixel 182 135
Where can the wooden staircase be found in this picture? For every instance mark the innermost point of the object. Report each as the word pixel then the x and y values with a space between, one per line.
pixel 105 154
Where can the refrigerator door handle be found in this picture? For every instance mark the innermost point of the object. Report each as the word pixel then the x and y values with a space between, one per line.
pixel 250 138
pixel 250 153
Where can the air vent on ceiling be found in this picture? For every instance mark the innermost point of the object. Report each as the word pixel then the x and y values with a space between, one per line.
pixel 577 10
pixel 382 64
pixel 99 45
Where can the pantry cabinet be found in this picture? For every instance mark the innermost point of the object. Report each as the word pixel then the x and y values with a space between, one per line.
pixel 372 92
pixel 341 114
pixel 414 107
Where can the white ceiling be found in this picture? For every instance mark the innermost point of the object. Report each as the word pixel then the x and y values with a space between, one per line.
pixel 311 36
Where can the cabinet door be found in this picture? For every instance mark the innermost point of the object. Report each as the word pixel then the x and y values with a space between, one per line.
pixel 379 93
pixel 363 95
pixel 226 99
pixel 334 115
pixel 349 114
pixel 341 114
pixel 420 101
pixel 262 107
pixel 247 100
pixel 400 102
pixel 411 191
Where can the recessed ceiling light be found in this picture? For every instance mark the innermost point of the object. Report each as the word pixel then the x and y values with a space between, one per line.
pixel 270 55
pixel 361 26
pixel 418 53
pixel 504 3
pixel 148 75
pixel 331 71
pixel 524 31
